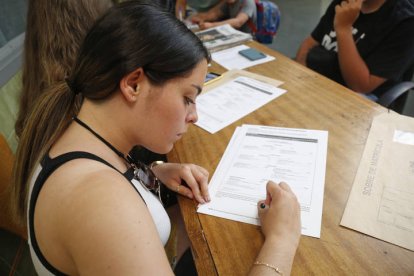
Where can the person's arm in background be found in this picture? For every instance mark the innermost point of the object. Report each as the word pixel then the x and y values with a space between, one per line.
pixel 180 6
pixel 316 35
pixel 238 14
pixel 235 22
pixel 353 68
pixel 281 226
pixel 212 14
pixel 304 48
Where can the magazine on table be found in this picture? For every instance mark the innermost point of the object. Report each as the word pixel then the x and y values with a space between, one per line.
pixel 222 37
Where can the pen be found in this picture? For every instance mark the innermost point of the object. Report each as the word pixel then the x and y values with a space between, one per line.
pixel 359 38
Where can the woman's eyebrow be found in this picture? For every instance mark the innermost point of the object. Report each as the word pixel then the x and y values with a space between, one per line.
pixel 197 87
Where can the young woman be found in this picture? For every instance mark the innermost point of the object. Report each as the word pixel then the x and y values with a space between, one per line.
pixel 89 209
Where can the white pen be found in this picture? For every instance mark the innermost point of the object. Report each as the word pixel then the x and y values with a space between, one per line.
pixel 359 38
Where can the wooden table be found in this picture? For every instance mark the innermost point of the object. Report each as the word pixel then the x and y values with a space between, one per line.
pixel 226 247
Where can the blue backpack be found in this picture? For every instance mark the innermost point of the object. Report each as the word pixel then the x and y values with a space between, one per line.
pixel 268 20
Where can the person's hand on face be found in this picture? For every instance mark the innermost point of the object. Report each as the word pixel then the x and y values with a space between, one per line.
pixel 346 14
pixel 195 178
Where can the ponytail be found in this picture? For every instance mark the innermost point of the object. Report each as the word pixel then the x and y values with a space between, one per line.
pixel 49 117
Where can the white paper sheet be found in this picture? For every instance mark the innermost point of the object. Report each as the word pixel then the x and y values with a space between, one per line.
pixel 231 59
pixel 233 100
pixel 257 154
pixel 404 137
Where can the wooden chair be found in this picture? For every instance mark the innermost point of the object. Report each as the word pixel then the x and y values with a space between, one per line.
pixel 6 167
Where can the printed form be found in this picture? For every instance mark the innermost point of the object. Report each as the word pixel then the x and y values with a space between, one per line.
pixel 257 154
pixel 233 100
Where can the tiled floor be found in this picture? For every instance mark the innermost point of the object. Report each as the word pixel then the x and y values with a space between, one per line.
pixel 298 18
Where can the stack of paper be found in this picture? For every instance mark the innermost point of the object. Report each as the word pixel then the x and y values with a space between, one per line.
pixel 231 101
pixel 222 37
pixel 257 154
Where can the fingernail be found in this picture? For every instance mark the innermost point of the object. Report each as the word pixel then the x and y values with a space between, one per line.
pixel 202 201
pixel 262 205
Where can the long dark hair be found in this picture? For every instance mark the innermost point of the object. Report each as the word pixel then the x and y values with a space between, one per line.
pixel 54 33
pixel 130 35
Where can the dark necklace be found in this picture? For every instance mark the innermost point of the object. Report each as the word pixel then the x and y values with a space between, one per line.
pixel 128 159
pixel 142 172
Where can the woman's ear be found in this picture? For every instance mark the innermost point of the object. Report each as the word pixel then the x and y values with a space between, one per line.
pixel 130 84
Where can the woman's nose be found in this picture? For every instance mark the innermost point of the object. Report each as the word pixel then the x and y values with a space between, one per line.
pixel 192 116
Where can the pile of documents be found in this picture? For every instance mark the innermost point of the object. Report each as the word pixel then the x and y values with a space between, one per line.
pixel 257 154
pixel 222 37
pixel 232 100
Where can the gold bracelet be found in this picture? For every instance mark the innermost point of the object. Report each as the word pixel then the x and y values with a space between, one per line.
pixel 276 269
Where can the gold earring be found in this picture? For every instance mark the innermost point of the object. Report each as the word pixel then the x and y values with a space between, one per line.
pixel 137 89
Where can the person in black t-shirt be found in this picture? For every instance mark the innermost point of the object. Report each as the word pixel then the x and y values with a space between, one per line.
pixel 366 45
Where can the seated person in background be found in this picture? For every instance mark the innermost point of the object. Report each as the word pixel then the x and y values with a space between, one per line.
pixel 365 45
pixel 90 210
pixel 54 31
pixel 237 13
pixel 184 9
pixel 51 44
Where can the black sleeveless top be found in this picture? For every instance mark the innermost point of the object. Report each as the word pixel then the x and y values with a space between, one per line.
pixel 50 165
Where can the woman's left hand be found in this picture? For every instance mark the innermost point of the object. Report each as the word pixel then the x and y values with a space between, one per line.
pixel 196 178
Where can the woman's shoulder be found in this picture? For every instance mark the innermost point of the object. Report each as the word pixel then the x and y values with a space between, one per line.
pixel 92 209
pixel 84 186
pixel 81 176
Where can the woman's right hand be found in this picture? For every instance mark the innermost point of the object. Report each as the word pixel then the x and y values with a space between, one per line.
pixel 280 217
